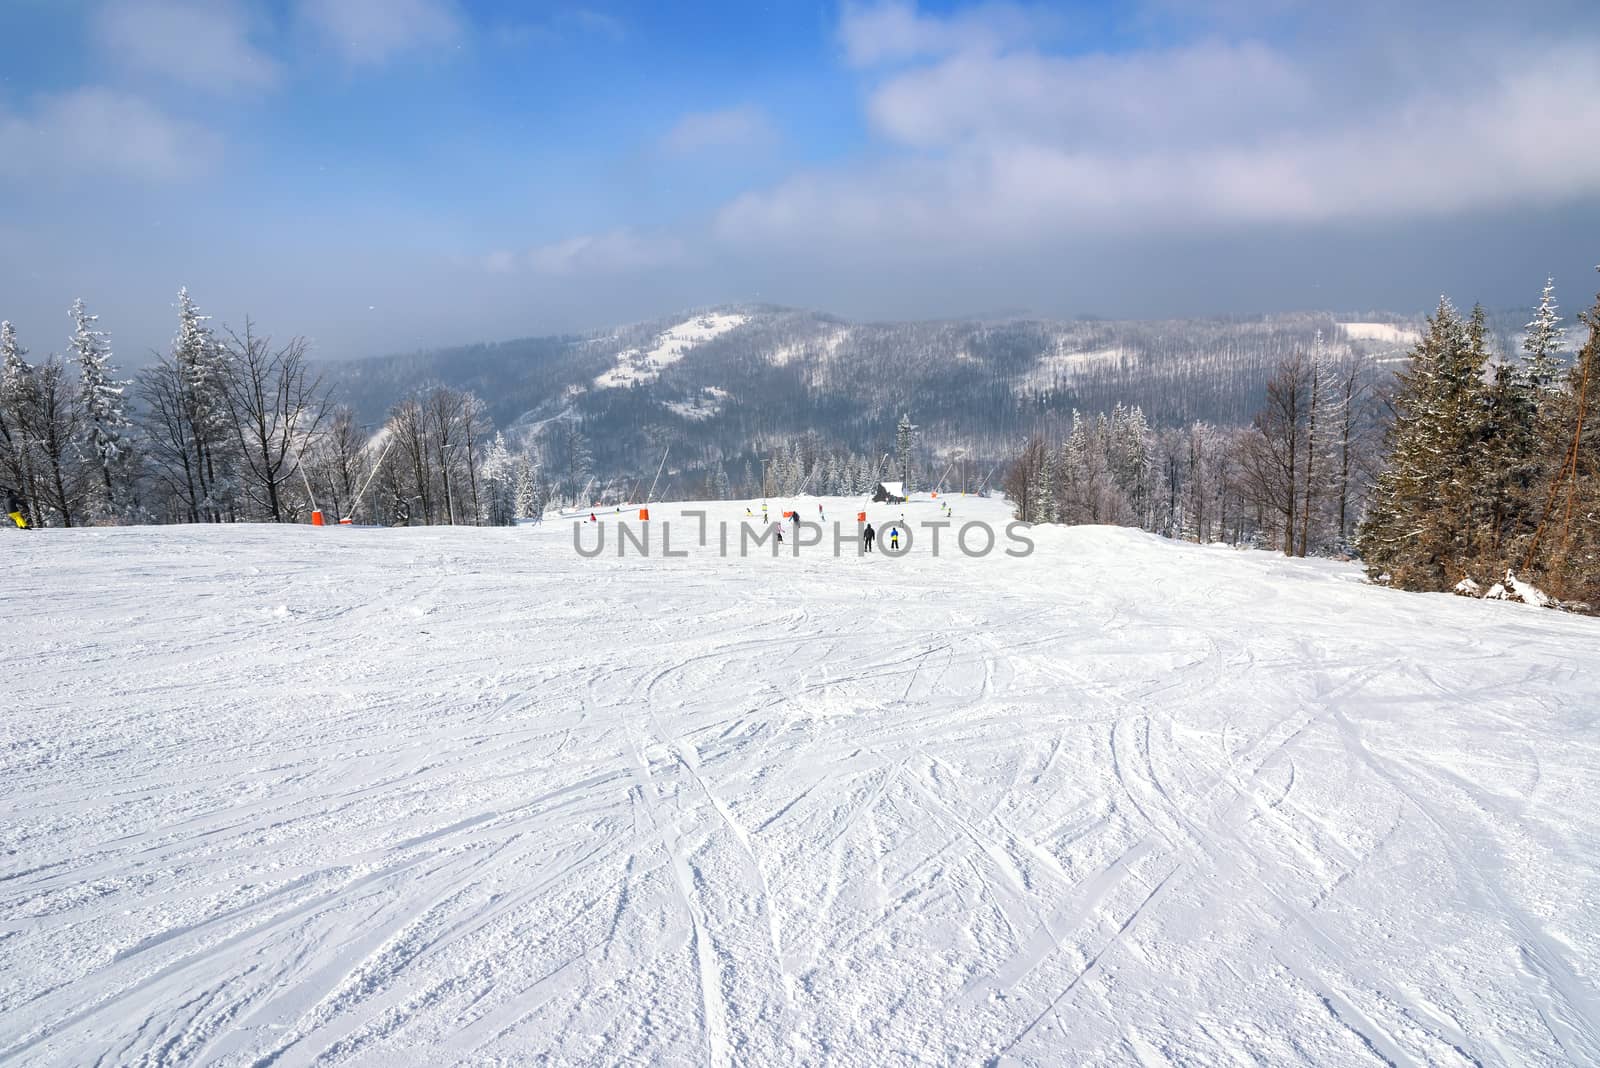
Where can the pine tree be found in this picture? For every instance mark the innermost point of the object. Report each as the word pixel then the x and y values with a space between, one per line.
pixel 904 440
pixel 202 376
pixel 1544 341
pixel 1045 489
pixel 1509 463
pixel 104 406
pixel 497 478
pixel 528 504
pixel 1420 521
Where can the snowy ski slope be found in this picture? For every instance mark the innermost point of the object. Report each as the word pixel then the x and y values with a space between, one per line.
pixel 417 797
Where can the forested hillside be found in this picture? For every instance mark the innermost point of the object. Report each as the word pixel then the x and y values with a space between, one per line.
pixel 767 375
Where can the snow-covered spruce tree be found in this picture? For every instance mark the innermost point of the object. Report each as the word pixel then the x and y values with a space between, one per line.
pixel 1468 496
pixel 1418 529
pixel 104 409
pixel 1045 488
pixel 1129 453
pixel 201 365
pixel 18 414
pixel 498 477
pixel 904 442
pixel 1544 342
pixel 524 498
pixel 1509 461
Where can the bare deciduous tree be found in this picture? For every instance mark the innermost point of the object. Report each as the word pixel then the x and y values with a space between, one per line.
pixel 277 406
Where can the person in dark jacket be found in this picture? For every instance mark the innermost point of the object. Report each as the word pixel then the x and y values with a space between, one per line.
pixel 14 508
pixel 867 536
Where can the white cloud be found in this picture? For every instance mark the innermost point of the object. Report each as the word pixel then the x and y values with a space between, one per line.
pixel 993 144
pixel 98 132
pixel 205 45
pixel 1205 91
pixel 613 252
pixel 894 31
pixel 741 127
pixel 375 31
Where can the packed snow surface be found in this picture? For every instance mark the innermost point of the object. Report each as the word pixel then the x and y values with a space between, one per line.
pixel 406 797
pixel 645 365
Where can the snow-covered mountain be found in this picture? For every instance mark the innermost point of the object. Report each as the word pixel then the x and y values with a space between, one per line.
pixel 716 380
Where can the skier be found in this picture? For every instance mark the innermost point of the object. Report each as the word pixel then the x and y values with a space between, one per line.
pixel 592 518
pixel 867 536
pixel 796 515
pixel 779 528
pixel 14 509
pixel 894 538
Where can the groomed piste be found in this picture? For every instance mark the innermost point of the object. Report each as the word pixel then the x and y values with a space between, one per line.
pixel 284 795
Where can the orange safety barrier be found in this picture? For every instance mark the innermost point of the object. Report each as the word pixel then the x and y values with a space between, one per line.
pixel 644 513
pixel 786 515
pixel 861 517
pixel 345 522
pixel 316 518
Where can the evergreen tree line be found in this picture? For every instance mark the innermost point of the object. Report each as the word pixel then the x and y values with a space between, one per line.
pixel 231 426
pixel 1492 463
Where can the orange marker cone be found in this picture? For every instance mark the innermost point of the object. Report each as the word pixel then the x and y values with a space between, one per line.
pixel 316 518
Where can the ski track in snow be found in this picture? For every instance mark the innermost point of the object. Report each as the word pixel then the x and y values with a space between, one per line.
pixel 292 796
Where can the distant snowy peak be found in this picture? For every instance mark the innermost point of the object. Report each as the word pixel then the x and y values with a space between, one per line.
pixel 645 365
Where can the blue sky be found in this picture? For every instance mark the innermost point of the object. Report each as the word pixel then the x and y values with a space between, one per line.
pixel 384 175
